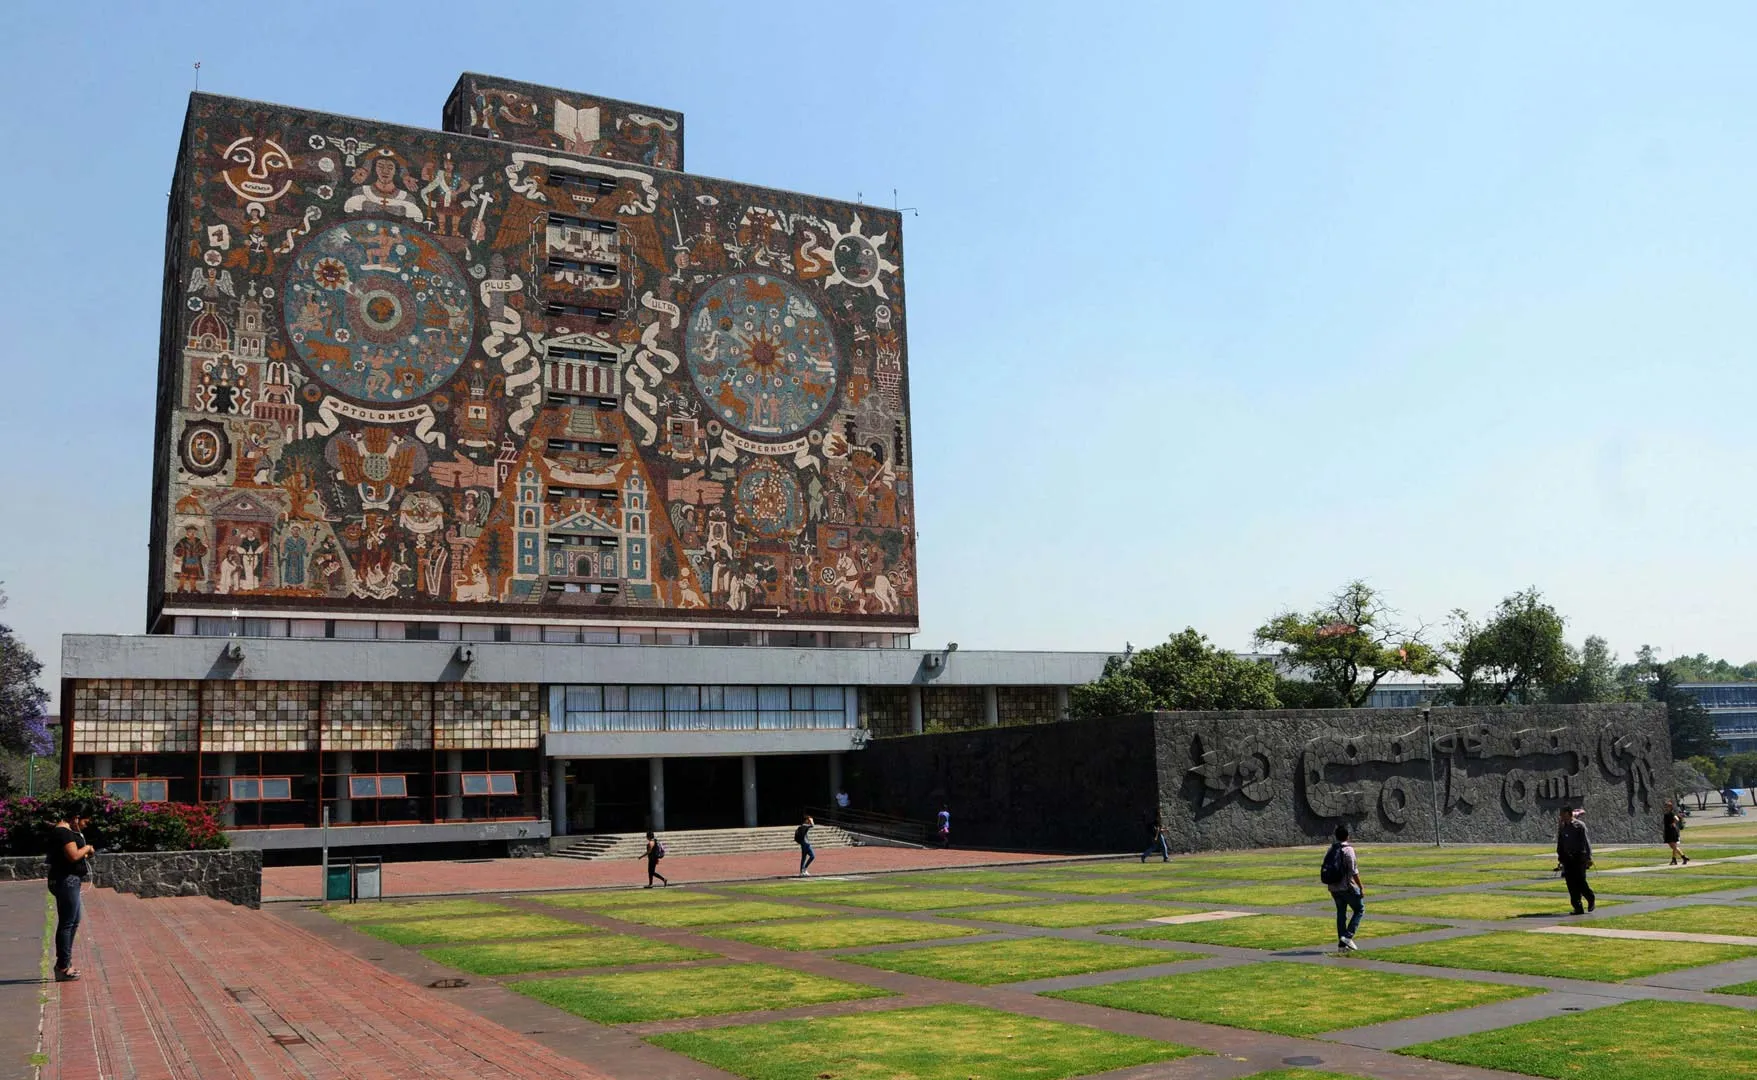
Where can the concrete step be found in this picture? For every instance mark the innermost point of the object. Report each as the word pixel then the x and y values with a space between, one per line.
pixel 701 842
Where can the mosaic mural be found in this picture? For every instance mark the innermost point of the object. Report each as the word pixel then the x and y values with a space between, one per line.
pixel 416 370
pixel 496 108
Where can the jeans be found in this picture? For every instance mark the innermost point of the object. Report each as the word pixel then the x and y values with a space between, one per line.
pixel 1348 899
pixel 1160 846
pixel 1575 875
pixel 67 910
pixel 806 855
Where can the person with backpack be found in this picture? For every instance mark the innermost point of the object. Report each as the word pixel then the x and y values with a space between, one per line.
pixel 654 852
pixel 1574 858
pixel 802 837
pixel 1672 829
pixel 1341 875
pixel 1159 842
pixel 943 823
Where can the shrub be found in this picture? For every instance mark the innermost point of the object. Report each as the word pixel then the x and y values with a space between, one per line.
pixel 116 825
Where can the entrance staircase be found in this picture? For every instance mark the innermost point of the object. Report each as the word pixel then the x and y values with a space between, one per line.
pixel 702 842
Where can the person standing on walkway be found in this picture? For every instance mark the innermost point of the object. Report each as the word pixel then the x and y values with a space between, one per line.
pixel 654 852
pixel 1574 858
pixel 1341 874
pixel 802 837
pixel 943 825
pixel 69 867
pixel 1673 825
pixel 1159 842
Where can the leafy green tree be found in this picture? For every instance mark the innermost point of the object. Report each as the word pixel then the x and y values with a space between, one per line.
pixel 1184 673
pixel 1516 656
pixel 1741 769
pixel 1689 779
pixel 1691 727
pixel 1595 677
pixel 23 703
pixel 1349 644
pixel 1303 694
pixel 1700 668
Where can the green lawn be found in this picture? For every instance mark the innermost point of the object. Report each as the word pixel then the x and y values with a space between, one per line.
pixel 1745 868
pixel 558 954
pixel 816 888
pixel 1562 955
pixel 1443 879
pixel 1690 919
pixel 483 928
pixel 1744 989
pixel 1111 885
pixel 987 963
pixel 1639 1040
pixel 921 899
pixel 1471 906
pixel 1252 895
pixel 1251 873
pixel 961 878
pixel 637 996
pixel 1293 999
pixel 1666 884
pixel 840 933
pixel 1272 932
pixel 386 910
pixel 602 899
pixel 938 1042
pixel 711 913
pixel 1073 913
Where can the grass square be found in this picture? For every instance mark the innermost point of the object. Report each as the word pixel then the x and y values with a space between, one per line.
pixel 840 933
pixel 1073 913
pixel 1743 868
pixel 824 889
pixel 480 928
pixel 558 954
pixel 1745 989
pixel 1666 884
pixel 1251 895
pixel 988 963
pixel 1293 999
pixel 600 899
pixel 1562 955
pixel 1690 919
pixel 636 996
pixel 961 878
pixel 937 1042
pixel 1472 906
pixel 710 913
pixel 1108 885
pixel 921 899
pixel 1272 932
pixel 389 910
pixel 1637 1040
pixel 1266 872
pixel 1445 879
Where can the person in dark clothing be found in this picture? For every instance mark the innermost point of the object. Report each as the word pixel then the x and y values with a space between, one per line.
pixel 1159 842
pixel 943 825
pixel 654 852
pixel 1346 890
pixel 1574 858
pixel 802 837
pixel 69 867
pixel 1672 825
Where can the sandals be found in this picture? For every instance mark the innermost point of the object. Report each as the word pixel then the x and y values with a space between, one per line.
pixel 70 975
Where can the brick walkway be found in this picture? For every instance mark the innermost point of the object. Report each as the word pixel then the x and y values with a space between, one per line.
pixel 526 875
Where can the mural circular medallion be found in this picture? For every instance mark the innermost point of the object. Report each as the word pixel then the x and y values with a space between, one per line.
pixel 204 448
pixel 856 259
pixel 762 355
pixel 378 312
pixel 769 502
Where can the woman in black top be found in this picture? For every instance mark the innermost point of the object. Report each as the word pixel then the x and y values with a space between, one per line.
pixel 654 852
pixel 69 866
pixel 1673 823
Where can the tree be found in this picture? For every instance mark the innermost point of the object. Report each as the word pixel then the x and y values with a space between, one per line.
pixel 1689 779
pixel 1349 644
pixel 1700 668
pixel 1184 673
pixel 1595 677
pixel 1303 694
pixel 23 704
pixel 1516 656
pixel 1741 769
pixel 1691 727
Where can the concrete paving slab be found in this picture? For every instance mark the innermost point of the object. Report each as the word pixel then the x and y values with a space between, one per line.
pixel 1644 935
pixel 1395 1034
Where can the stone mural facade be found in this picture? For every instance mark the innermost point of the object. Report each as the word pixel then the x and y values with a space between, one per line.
pixel 523 366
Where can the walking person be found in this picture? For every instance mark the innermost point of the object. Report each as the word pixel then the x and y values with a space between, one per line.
pixel 654 852
pixel 1158 842
pixel 69 867
pixel 1341 874
pixel 1673 825
pixel 802 837
pixel 1574 858
pixel 943 824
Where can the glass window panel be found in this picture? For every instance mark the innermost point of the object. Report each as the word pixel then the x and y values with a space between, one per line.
pixel 449 631
pixel 525 633
pixel 585 699
pixel 774 697
pixel 478 632
pixel 646 699
pixel 256 628
pixel 393 787
pixel 420 631
pixel 277 628
pixel 353 630
pixel 631 636
pixel 309 628
pixel 682 699
pixel 150 790
pixel 615 697
pixel 598 636
pixel 278 787
pixel 827 697
pixel 245 790
pixel 184 625
pixel 504 783
pixel 561 635
pixel 393 631
pixel 802 697
pixel 119 789
pixel 215 626
pixel 740 697
pixel 713 697
pixel 363 787
pixel 475 783
pixel 672 637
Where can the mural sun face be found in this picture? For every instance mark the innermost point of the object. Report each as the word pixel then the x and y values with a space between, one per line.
pixel 256 172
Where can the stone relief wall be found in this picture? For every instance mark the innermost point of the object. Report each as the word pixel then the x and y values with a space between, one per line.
pixel 233 875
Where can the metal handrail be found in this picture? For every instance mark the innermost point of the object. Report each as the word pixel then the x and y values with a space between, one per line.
pixel 888 826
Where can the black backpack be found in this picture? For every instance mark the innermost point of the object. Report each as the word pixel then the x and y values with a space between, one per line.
pixel 799 834
pixel 658 850
pixel 1335 869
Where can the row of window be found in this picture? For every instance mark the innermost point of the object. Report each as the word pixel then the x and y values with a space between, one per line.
pixel 365 630
pixel 280 788
pixel 703 708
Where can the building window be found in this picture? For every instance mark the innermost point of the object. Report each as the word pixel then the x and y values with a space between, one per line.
pixel 137 790
pixel 378 787
pixel 490 783
pixel 261 788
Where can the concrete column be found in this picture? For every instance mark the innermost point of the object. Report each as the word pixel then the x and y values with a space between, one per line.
pixel 558 796
pixel 915 723
pixel 344 808
pixel 228 812
pixel 749 763
pixel 835 777
pixel 991 706
pixel 102 766
pixel 1061 703
pixel 656 792
pixel 454 784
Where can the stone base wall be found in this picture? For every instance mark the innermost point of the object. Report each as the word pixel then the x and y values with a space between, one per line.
pixel 233 875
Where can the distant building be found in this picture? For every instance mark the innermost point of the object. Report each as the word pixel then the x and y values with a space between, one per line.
pixel 1733 708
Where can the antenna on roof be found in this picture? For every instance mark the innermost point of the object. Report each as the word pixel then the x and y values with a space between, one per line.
pixel 902 209
pixel 198 76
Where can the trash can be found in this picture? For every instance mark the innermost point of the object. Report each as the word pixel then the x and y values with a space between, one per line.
pixel 338 881
pixel 368 878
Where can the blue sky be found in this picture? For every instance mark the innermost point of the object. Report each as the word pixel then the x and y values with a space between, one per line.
pixel 1211 307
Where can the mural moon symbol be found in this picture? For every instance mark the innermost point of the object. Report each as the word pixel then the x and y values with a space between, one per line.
pixel 762 355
